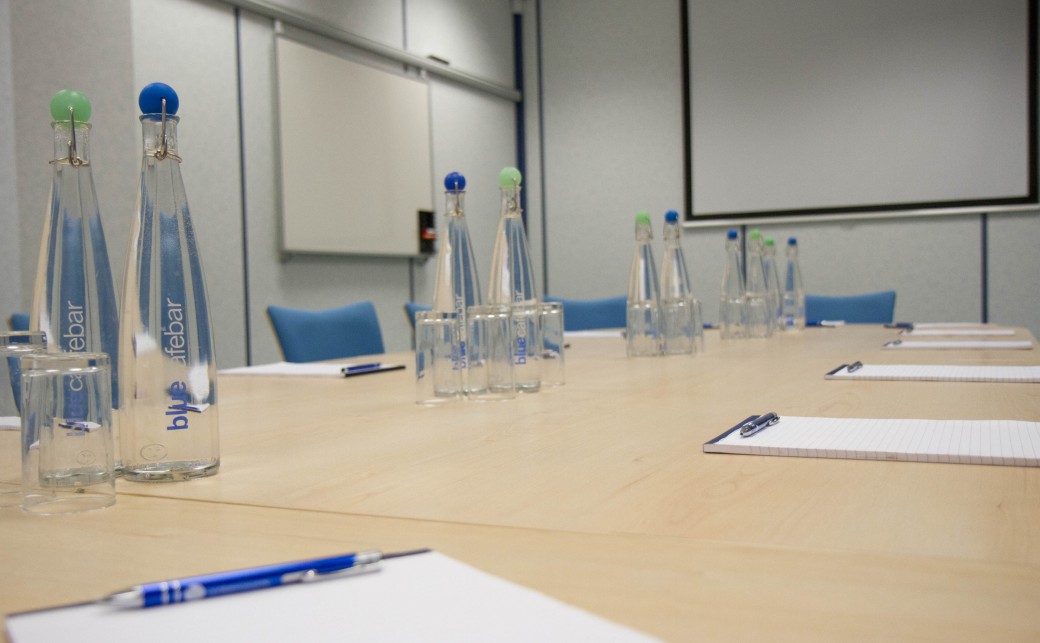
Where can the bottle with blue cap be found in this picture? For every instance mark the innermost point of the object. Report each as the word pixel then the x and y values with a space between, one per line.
pixel 776 291
pixel 74 298
pixel 679 319
pixel 643 317
pixel 169 392
pixel 457 286
pixel 732 304
pixel 759 321
pixel 512 284
pixel 794 291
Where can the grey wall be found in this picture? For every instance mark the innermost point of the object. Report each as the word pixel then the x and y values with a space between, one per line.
pixel 196 47
pixel 607 107
pixel 612 132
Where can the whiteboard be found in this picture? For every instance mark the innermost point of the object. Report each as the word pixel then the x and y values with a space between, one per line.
pixel 845 106
pixel 355 155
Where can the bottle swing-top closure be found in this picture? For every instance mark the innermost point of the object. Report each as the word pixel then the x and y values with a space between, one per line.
pixel 73 157
pixel 163 152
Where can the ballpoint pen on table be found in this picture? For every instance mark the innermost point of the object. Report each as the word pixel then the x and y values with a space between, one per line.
pixel 853 367
pixel 244 580
pixel 752 427
pixel 358 369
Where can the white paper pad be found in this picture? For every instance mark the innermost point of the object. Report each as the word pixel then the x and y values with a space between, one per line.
pixel 970 345
pixel 1003 442
pixel 958 331
pixel 614 333
pixel 306 369
pixel 939 373
pixel 424 597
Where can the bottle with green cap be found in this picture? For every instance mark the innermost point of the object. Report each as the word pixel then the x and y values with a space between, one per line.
pixel 74 299
pixel 169 396
pixel 776 293
pixel 512 284
pixel 759 316
pixel 679 318
pixel 643 318
pixel 732 303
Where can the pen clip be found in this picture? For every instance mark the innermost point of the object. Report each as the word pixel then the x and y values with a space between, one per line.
pixel 853 367
pixel 312 575
pixel 755 425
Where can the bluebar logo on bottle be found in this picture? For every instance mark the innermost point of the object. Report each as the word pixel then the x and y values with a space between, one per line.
pixel 174 344
pixel 460 316
pixel 521 333
pixel 74 337
pixel 175 347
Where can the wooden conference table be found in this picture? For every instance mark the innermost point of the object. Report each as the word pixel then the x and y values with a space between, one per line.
pixel 598 493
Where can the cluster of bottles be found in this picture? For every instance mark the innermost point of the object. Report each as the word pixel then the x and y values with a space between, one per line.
pixel 764 299
pixel 512 282
pixel 663 320
pixel 161 347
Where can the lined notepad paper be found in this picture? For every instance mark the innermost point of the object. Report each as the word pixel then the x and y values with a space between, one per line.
pixel 981 345
pixel 938 373
pixel 1000 442
pixel 424 597
pixel 958 331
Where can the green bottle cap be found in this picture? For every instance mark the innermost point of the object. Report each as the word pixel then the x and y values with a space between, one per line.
pixel 756 234
pixel 769 241
pixel 509 177
pixel 67 98
pixel 642 217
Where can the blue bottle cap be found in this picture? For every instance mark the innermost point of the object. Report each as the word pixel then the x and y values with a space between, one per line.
pixel 150 100
pixel 454 182
pixel 671 216
pixel 791 241
pixel 731 234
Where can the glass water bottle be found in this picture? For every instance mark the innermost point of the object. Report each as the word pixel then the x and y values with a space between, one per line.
pixel 756 292
pixel 643 317
pixel 457 287
pixel 678 312
pixel 794 291
pixel 74 300
pixel 512 284
pixel 170 428
pixel 732 305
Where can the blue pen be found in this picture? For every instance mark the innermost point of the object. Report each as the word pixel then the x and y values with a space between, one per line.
pixel 244 580
pixel 358 369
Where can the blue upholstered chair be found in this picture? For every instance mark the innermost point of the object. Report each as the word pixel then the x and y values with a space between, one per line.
pixel 19 321
pixel 410 308
pixel 589 314
pixel 314 335
pixel 871 308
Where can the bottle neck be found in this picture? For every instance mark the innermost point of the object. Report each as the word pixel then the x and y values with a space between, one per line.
pixel 672 234
pixel 71 145
pixel 454 202
pixel 159 138
pixel 511 202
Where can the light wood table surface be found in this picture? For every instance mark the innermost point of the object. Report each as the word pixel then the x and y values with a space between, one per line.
pixel 598 493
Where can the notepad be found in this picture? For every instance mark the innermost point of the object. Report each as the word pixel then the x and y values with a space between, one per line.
pixel 997 442
pixel 937 373
pixel 931 332
pixel 964 345
pixel 414 598
pixel 306 369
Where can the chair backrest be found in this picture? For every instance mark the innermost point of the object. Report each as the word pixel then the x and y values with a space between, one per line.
pixel 589 314
pixel 871 308
pixel 410 308
pixel 314 335
pixel 19 321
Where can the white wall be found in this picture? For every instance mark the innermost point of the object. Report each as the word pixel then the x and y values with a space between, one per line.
pixel 196 46
pixel 610 98
pixel 613 146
